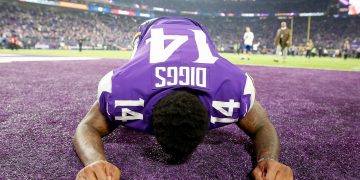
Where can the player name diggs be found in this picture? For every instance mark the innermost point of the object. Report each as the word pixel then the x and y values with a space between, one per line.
pixel 182 75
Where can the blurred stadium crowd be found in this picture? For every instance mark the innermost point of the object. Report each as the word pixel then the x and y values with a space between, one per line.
pixel 54 28
pixel 46 27
pixel 268 6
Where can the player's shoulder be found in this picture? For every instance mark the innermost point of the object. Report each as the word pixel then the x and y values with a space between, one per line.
pixel 105 84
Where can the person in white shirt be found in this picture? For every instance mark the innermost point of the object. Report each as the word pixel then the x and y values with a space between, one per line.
pixel 248 42
pixel 354 7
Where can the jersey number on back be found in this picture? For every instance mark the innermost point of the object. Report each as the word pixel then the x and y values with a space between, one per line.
pixel 160 53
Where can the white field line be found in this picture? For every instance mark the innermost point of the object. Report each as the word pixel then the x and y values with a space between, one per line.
pixel 43 58
pixel 9 55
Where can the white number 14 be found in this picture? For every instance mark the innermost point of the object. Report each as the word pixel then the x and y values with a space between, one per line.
pixel 128 114
pixel 160 53
pixel 220 106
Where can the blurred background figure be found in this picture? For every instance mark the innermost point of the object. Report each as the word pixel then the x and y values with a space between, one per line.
pixel 309 47
pixel 13 43
pixel 80 41
pixel 293 50
pixel 346 49
pixel 320 52
pixel 248 43
pixel 256 47
pixel 282 42
pixel 3 42
pixel 235 48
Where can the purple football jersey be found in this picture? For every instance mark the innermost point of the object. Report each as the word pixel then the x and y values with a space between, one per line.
pixel 171 54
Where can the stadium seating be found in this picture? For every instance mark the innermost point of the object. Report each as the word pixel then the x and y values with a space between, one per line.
pixel 59 28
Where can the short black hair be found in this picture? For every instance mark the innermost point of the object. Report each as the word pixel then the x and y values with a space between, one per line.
pixel 180 122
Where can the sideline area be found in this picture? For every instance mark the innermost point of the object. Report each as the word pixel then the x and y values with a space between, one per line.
pixel 8 58
pixel 326 63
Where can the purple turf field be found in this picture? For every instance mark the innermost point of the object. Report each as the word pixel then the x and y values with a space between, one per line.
pixel 316 113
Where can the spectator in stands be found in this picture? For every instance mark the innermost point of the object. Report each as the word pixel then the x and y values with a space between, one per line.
pixel 50 28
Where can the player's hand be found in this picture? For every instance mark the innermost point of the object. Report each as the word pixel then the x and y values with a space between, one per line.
pixel 99 170
pixel 272 170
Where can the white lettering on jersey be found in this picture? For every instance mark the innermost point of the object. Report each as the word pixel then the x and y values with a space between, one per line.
pixel 172 76
pixel 192 76
pixel 157 75
pixel 173 73
pixel 222 120
pixel 201 77
pixel 184 72
pixel 220 106
pixel 158 52
pixel 128 114
pixel 205 55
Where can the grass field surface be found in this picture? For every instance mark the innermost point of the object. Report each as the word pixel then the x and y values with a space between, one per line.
pixel 326 63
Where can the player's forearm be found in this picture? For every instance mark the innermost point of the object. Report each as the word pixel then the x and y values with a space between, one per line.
pixel 267 143
pixel 88 144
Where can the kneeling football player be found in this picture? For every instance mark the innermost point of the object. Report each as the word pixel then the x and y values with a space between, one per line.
pixel 176 87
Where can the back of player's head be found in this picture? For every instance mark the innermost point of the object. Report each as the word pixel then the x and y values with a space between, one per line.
pixel 180 123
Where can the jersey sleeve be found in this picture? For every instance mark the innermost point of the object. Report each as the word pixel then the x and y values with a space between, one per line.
pixel 234 102
pixel 249 93
pixel 105 84
pixel 104 91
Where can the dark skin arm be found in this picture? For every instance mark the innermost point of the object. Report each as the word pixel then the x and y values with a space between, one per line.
pixel 258 126
pixel 90 149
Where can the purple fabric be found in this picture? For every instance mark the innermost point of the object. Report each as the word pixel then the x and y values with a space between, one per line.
pixel 316 114
pixel 147 81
